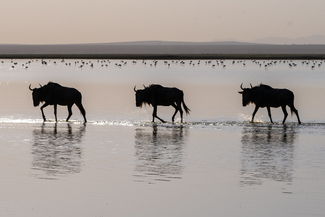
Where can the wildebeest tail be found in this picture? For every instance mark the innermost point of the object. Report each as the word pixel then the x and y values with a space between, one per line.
pixel 292 107
pixel 187 110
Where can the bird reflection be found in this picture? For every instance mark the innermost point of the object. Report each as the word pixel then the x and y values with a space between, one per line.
pixel 267 153
pixel 159 153
pixel 57 151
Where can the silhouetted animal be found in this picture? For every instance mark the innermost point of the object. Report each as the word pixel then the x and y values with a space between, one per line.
pixel 157 95
pixel 55 94
pixel 266 96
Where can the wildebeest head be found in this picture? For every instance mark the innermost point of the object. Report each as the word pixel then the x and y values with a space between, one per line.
pixel 140 97
pixel 37 95
pixel 248 94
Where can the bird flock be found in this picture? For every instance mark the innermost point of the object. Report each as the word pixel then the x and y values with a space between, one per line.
pixel 222 63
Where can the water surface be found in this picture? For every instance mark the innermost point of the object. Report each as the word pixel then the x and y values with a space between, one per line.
pixel 216 163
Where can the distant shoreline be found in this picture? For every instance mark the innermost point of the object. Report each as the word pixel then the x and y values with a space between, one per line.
pixel 166 56
pixel 163 50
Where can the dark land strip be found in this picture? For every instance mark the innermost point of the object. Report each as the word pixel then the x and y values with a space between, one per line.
pixel 165 51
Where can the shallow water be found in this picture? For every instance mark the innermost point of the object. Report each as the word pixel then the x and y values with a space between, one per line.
pixel 216 163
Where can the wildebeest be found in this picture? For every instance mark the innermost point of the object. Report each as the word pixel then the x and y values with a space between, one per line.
pixel 266 96
pixel 157 95
pixel 55 94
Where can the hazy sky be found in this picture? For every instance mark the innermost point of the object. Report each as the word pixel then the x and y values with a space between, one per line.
pixel 101 21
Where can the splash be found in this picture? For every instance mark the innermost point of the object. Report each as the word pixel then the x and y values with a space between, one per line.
pixel 247 118
pixel 243 121
pixel 20 121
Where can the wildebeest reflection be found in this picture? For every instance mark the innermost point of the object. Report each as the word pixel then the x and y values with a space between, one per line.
pixel 267 153
pixel 159 153
pixel 55 94
pixel 157 95
pixel 57 150
pixel 266 96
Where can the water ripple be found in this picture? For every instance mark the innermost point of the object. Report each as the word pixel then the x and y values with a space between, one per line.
pixel 195 124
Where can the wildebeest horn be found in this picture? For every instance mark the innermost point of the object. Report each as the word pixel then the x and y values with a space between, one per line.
pixel 134 89
pixel 144 86
pixel 241 86
pixel 251 85
pixel 30 87
pixel 40 85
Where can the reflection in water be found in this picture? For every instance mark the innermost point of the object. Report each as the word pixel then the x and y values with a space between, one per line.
pixel 159 153
pixel 267 153
pixel 57 151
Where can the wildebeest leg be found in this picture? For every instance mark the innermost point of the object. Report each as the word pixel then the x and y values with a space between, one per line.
pixel 255 110
pixel 82 110
pixel 70 111
pixel 154 115
pixel 285 113
pixel 177 108
pixel 55 107
pixel 43 106
pixel 269 112
pixel 180 111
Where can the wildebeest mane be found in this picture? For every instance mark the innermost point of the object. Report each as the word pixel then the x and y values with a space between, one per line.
pixel 265 86
pixel 254 92
pixel 52 83
pixel 261 85
pixel 153 86
pixel 45 90
pixel 148 93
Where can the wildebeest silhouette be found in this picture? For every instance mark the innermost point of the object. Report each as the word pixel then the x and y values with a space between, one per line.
pixel 55 94
pixel 157 95
pixel 266 96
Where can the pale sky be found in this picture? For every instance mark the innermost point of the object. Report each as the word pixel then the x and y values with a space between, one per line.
pixel 103 21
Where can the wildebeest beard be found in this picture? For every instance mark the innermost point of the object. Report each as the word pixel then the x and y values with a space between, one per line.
pixel 140 104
